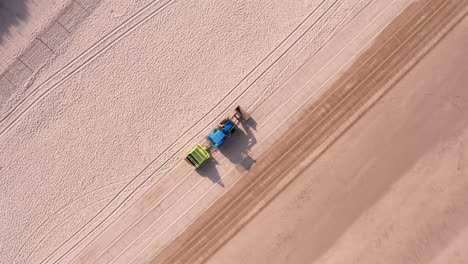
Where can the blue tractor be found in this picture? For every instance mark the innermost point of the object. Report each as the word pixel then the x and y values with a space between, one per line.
pixel 200 153
pixel 226 128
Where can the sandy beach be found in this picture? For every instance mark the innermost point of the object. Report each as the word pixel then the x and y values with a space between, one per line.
pixel 355 148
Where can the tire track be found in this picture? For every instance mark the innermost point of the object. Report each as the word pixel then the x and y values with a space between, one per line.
pixel 266 121
pixel 182 181
pixel 287 101
pixel 125 232
pixel 366 5
pixel 226 217
pixel 58 211
pixel 199 121
pixel 82 60
pixel 267 94
pixel 67 217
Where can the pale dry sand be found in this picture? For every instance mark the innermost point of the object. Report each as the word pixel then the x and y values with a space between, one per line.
pixel 130 86
pixel 393 189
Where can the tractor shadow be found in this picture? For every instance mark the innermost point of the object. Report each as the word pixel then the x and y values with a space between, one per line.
pixel 236 150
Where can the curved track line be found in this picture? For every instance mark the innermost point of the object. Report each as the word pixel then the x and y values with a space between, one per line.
pixel 264 59
pixel 230 105
pixel 87 61
pixel 63 221
pixel 156 203
pixel 322 86
pixel 71 215
pixel 175 202
pixel 276 109
pixel 48 218
pixel 289 116
pixel 81 55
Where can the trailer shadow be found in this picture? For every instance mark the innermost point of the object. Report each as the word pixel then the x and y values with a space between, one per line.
pixel 208 169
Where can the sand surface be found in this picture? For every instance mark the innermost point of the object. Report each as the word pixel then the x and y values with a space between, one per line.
pixel 393 189
pixel 108 97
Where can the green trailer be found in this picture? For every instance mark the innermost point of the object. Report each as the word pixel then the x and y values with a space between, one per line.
pixel 197 155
